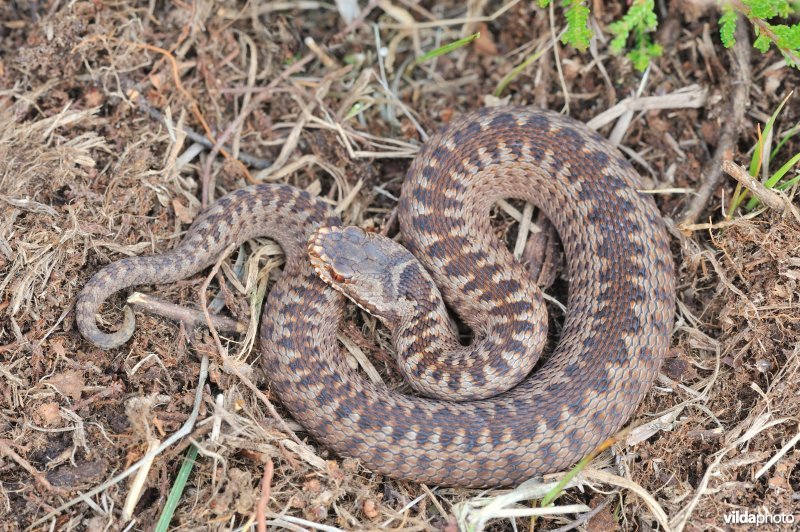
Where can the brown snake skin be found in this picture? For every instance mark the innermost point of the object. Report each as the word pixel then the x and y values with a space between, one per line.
pixel 615 335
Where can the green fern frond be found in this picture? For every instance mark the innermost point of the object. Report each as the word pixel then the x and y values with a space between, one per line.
pixel 578 33
pixel 727 26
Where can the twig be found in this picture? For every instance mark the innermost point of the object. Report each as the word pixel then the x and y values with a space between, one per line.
pixel 766 196
pixel 116 387
pixel 740 94
pixel 204 302
pixel 135 492
pixel 190 318
pixel 691 97
pixel 609 478
pixel 524 229
pixel 584 517
pixel 554 42
pixel 321 54
pixel 772 461
pixel 625 119
pixel 266 489
pixel 401 512
pixel 681 517
pixel 434 500
pixel 474 514
pixel 281 519
pixel 442 23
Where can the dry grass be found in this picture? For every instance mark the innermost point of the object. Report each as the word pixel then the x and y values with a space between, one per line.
pixel 95 164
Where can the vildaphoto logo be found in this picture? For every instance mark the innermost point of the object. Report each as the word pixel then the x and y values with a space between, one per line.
pixel 745 517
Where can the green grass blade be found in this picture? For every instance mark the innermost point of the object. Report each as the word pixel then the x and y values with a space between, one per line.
pixel 738 196
pixel 787 184
pixel 784 140
pixel 553 494
pixel 755 162
pixel 177 490
pixel 511 76
pixel 446 49
pixel 358 107
pixel 556 491
pixel 775 178
pixel 757 158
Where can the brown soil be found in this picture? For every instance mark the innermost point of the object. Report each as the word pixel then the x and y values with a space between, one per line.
pixel 90 172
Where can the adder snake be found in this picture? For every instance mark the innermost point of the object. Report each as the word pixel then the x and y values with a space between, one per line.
pixel 615 335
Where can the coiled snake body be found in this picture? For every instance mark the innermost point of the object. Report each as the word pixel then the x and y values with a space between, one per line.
pixel 615 335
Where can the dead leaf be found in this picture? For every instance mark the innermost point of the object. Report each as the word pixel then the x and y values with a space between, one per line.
pixel 485 43
pixel 57 345
pixel 185 214
pixel 780 480
pixel 48 414
pixel 75 476
pixel 603 520
pixel 68 383
pixel 645 430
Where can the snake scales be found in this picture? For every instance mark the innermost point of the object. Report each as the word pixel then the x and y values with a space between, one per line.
pixel 615 335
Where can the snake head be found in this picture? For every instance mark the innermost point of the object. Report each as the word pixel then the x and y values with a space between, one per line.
pixel 363 266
